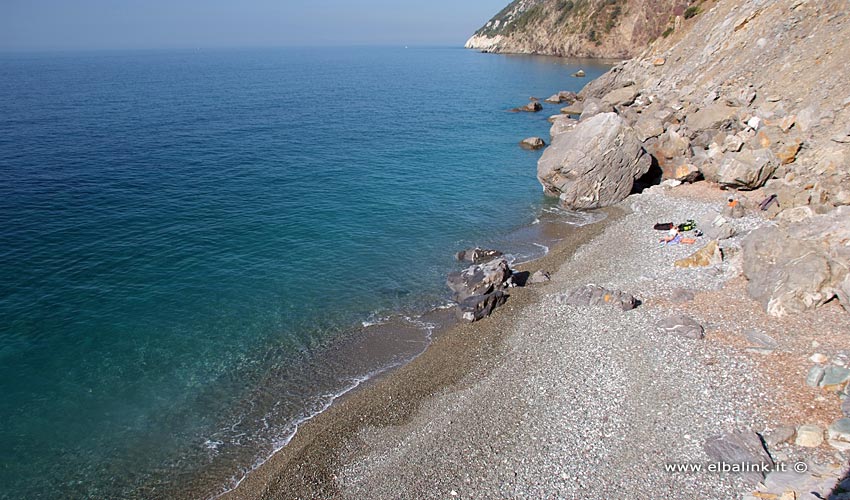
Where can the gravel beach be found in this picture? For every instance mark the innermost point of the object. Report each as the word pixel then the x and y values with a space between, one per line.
pixel 548 400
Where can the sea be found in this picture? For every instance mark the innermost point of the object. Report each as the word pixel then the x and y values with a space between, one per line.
pixel 200 250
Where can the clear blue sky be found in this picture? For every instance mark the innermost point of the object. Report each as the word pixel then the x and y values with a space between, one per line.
pixel 120 24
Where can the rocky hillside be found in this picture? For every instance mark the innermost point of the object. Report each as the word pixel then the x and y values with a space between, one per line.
pixel 579 28
pixel 751 96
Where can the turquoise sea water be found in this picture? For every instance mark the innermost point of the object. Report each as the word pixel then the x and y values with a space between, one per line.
pixel 191 241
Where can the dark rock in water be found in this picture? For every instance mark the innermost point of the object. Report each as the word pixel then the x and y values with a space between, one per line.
pixel 741 447
pixel 532 107
pixel 479 279
pixel 594 165
pixel 593 295
pixel 478 307
pixel 477 255
pixel 532 143
pixel 683 326
pixel 539 277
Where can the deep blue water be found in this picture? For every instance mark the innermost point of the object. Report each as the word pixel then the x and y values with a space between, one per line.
pixel 184 236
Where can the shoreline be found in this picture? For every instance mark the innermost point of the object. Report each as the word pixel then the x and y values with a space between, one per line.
pixel 467 408
pixel 312 442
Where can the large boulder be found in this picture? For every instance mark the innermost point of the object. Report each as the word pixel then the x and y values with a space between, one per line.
pixel 595 164
pixel 592 107
pixel 747 169
pixel 799 265
pixel 479 307
pixel 620 97
pixel 670 150
pixel 713 116
pixel 740 447
pixel 479 279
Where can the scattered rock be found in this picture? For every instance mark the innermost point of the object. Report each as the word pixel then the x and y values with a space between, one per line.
pixel 818 358
pixel 708 255
pixel 532 143
pixel 593 295
pixel 683 326
pixel 620 97
pixel 658 61
pixel 594 165
pixel 835 378
pixel 747 169
pixel 714 116
pixel 815 376
pixel 539 276
pixel 809 436
pixel 741 447
pixel 563 123
pixel 479 279
pixel 839 434
pixel 478 307
pixel 647 127
pixel 573 109
pixel 779 435
pixel 592 107
pixel 477 255
pixel 532 107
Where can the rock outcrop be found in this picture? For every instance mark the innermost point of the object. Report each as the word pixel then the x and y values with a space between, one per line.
pixel 800 265
pixel 479 289
pixel 595 164
pixel 583 28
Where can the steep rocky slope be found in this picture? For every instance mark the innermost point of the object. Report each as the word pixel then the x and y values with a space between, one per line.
pixel 580 28
pixel 750 95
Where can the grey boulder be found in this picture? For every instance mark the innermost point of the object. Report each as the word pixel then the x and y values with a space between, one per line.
pixel 480 279
pixel 478 307
pixel 683 326
pixel 740 447
pixel 477 255
pixel 594 165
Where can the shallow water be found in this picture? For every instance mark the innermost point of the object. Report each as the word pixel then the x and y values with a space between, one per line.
pixel 187 238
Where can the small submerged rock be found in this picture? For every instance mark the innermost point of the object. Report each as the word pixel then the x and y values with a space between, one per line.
pixel 532 107
pixel 579 74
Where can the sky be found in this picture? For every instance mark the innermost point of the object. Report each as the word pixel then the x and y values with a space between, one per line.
pixel 140 24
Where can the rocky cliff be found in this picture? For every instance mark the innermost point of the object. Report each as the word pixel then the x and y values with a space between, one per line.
pixel 579 28
pixel 748 95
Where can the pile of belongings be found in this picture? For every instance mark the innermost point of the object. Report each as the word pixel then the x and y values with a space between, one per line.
pixel 675 232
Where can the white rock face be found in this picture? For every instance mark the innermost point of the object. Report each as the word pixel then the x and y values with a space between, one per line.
pixel 481 42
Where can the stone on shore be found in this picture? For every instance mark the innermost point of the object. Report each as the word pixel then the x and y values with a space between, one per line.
pixel 532 143
pixel 835 378
pixel 573 109
pixel 595 165
pixel 480 279
pixel 737 448
pixel 815 376
pixel 593 295
pixel 748 169
pixel 708 255
pixel 682 326
pixel 809 436
pixel 478 255
pixel 620 97
pixel 839 434
pixel 478 307
pixel 539 276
